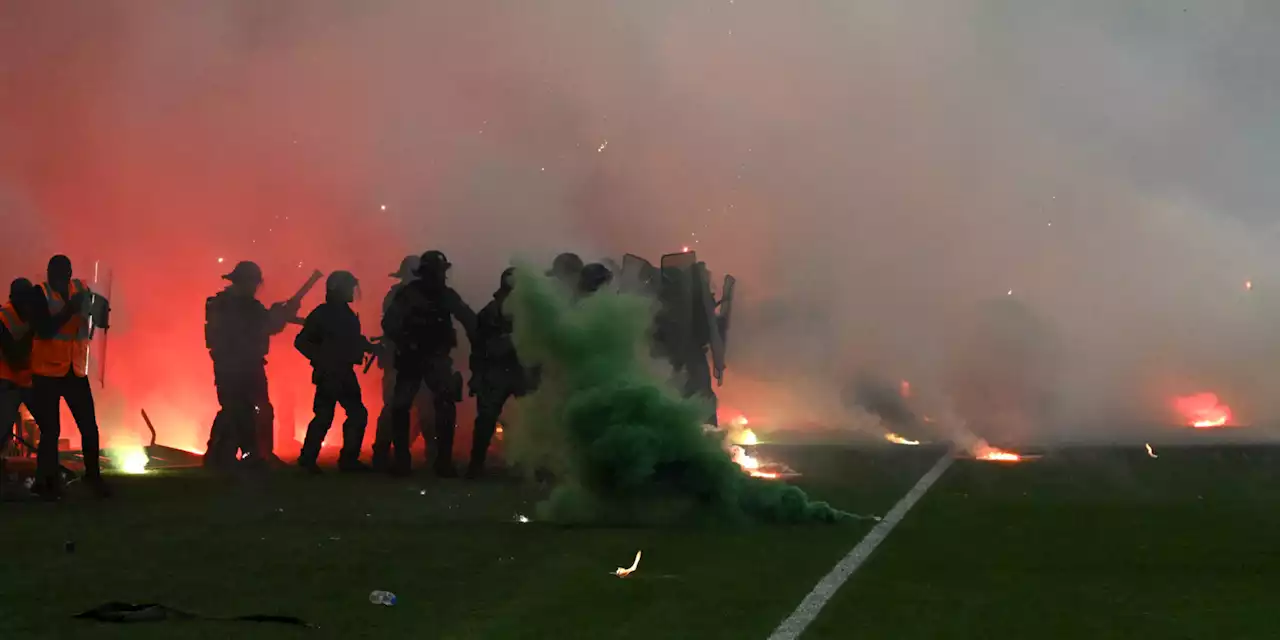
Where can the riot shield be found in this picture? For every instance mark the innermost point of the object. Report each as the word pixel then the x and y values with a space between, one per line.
pixel 722 323
pixel 638 276
pixel 704 302
pixel 676 332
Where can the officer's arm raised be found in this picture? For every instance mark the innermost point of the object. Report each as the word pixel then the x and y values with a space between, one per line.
pixel 463 313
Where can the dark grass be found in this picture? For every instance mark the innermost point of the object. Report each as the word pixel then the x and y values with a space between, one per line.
pixel 1080 544
pixel 282 543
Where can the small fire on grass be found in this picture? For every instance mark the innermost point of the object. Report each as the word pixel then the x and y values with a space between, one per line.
pixel 749 463
pixel 624 572
pixel 992 454
pixel 129 460
pixel 897 439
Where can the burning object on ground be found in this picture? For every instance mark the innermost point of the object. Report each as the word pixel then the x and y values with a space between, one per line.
pixel 897 439
pixel 622 573
pixel 1150 452
pixel 1203 410
pixel 736 443
pixel 984 451
pixel 129 460
pixel 757 469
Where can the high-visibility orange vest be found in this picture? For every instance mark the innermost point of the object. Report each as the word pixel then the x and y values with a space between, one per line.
pixel 18 329
pixel 68 351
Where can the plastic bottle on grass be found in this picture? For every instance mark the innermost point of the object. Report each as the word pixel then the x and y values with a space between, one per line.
pixel 384 598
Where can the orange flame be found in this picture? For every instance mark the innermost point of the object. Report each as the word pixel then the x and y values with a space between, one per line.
pixel 897 439
pixel 750 464
pixel 1202 410
pixel 990 453
pixel 622 573
pixel 904 389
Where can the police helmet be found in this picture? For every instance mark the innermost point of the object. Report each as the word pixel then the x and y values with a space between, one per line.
pixel 594 276
pixel 343 282
pixel 566 264
pixel 432 263
pixel 245 272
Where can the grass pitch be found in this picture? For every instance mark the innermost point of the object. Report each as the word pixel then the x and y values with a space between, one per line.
pixel 452 551
pixel 1090 543
pixel 1079 544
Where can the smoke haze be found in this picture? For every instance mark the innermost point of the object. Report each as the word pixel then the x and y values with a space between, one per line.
pixel 872 172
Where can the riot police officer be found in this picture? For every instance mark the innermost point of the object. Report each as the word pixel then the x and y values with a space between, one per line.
pixel 496 372
pixel 419 322
pixel 332 340
pixel 237 332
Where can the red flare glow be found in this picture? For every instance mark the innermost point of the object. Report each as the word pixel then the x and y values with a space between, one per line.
pixel 1202 410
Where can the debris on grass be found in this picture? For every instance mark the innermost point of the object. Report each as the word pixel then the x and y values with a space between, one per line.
pixel 1150 452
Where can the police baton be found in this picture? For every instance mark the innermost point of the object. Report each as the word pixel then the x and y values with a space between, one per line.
pixel 373 357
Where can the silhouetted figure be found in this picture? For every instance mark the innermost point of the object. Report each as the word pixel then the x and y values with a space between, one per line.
pixel 15 352
pixel 60 371
pixel 496 372
pixel 419 322
pixel 593 278
pixel 237 332
pixel 332 340
pixel 386 362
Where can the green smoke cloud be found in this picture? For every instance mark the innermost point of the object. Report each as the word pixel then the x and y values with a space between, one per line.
pixel 623 445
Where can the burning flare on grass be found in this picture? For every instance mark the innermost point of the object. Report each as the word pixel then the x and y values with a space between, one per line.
pixel 897 439
pixel 985 451
pixel 750 464
pixel 1202 410
pixel 1150 452
pixel 622 573
pixel 130 460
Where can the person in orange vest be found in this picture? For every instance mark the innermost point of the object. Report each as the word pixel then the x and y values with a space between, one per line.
pixel 60 371
pixel 15 347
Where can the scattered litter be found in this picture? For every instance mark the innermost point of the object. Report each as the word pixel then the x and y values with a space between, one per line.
pixel 422 492
pixel 622 573
pixel 335 538
pixel 1150 452
pixel 522 519
pixel 384 598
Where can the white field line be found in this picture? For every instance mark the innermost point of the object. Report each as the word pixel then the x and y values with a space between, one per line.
pixel 799 620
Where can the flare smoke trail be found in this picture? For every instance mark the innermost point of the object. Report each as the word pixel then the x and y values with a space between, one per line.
pixel 623 445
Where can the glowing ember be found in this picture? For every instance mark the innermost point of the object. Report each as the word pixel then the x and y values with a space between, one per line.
pixel 897 439
pixel 1203 410
pixel 684 249
pixel 904 389
pixel 132 460
pixel 1248 285
pixel 1150 452
pixel 622 573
